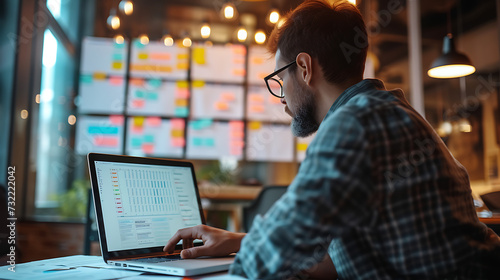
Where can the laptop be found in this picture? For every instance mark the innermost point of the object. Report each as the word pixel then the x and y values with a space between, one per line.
pixel 140 203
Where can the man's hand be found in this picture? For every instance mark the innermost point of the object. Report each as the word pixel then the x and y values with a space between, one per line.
pixel 216 242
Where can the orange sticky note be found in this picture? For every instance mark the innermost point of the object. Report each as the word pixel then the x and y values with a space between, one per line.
pixel 257 60
pixel 239 49
pixel 160 56
pixel 228 96
pixel 182 66
pixel 153 121
pixel 239 72
pixel 137 82
pixel 166 69
pixel 256 109
pixel 221 106
pixel 256 98
pixel 176 133
pixel 181 102
pixel 99 76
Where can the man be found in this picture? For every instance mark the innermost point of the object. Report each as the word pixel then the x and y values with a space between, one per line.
pixel 378 196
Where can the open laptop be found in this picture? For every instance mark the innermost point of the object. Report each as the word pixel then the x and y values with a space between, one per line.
pixel 140 203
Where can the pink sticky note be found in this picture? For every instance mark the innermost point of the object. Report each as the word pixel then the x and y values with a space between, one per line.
pixel 236 125
pixel 105 141
pixel 153 121
pixel 148 148
pixel 237 144
pixel 137 129
pixel 237 134
pixel 138 103
pixel 178 142
pixel 177 124
pixel 236 151
pixel 115 80
pixel 182 93
pixel 137 82
pixel 116 119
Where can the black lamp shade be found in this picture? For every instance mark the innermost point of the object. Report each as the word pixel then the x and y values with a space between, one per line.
pixel 451 58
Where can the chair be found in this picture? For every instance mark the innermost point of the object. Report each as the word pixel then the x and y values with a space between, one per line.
pixel 261 204
pixel 492 201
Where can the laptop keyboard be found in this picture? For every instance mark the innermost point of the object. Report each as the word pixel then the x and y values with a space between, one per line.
pixel 160 259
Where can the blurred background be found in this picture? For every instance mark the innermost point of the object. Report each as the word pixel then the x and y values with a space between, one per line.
pixel 183 79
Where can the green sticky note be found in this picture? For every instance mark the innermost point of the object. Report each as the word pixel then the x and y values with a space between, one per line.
pixel 86 79
pixel 155 83
pixel 136 142
pixel 139 94
pixel 209 142
pixel 181 111
pixel 149 138
pixel 117 56
pixel 206 123
pixel 197 142
pixel 152 96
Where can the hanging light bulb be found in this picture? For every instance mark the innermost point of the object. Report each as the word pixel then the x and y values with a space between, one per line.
pixel 445 129
pixel 187 42
pixel 260 37
pixel 451 64
pixel 242 34
pixel 205 31
pixel 113 20
pixel 352 2
pixel 144 39
pixel 119 39
pixel 168 40
pixel 229 10
pixel 273 17
pixel 126 7
pixel 464 125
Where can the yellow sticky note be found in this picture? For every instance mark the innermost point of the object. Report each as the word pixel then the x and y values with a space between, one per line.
pixel 117 65
pixel 254 125
pixel 182 56
pixel 166 69
pixel 99 76
pixel 301 146
pixel 177 133
pixel 182 84
pixel 182 66
pixel 199 56
pixel 142 55
pixel 138 121
pixel 221 106
pixel 181 102
pixel 198 84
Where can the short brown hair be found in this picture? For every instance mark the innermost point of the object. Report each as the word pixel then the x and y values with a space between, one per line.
pixel 334 34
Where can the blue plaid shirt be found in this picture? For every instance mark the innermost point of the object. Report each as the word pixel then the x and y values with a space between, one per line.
pixel 381 194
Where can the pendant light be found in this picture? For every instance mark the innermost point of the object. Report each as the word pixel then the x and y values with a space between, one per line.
pixel 451 63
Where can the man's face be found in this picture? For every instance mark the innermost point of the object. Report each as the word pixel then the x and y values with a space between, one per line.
pixel 299 101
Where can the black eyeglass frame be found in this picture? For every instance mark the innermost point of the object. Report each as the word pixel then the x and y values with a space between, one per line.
pixel 269 77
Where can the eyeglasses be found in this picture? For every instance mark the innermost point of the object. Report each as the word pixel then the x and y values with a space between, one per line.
pixel 275 86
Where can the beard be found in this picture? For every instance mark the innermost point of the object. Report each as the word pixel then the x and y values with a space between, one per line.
pixel 303 121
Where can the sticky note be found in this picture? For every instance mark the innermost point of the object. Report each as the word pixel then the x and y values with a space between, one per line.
pixel 115 80
pixel 198 84
pixel 197 141
pixel 139 94
pixel 209 142
pixel 117 65
pixel 119 46
pixel 137 129
pixel 257 60
pixel 142 56
pixel 206 122
pixel 256 109
pixel 181 102
pixel 236 125
pixel 154 83
pixel 117 56
pixel 138 121
pixel 86 79
pixel 228 96
pixel 102 130
pixel 149 138
pixel 221 106
pixel 177 124
pixel 254 125
pixel 136 142
pixel 182 84
pixel 182 93
pixel 160 56
pixel 152 96
pixel 178 142
pixel 165 69
pixel 181 111
pixel 138 103
pixel 99 76
pixel 177 133
pixel 182 66
pixel 237 144
pixel 239 72
pixel 137 82
pixel 105 141
pixel 182 56
pixel 199 55
pixel 148 148
pixel 153 121
pixel 239 49
pixel 137 43
pixel 116 119
pixel 301 146
pixel 237 134
pixel 236 151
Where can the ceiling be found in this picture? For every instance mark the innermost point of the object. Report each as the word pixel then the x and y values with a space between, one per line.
pixel 388 39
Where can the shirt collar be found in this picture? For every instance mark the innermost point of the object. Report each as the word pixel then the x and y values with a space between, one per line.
pixel 363 86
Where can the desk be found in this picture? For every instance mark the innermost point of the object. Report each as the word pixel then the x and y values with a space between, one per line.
pixel 89 267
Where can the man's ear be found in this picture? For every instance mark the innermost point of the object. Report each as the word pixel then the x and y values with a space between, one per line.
pixel 304 65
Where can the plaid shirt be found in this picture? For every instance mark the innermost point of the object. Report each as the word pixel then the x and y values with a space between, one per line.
pixel 381 194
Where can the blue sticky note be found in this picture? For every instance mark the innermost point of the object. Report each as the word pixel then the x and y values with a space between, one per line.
pixel 117 56
pixel 206 123
pixel 138 44
pixel 86 79
pixel 155 83
pixel 103 130
pixel 209 142
pixel 149 138
pixel 119 46
pixel 136 142
pixel 181 111
pixel 197 142
pixel 139 94
pixel 152 96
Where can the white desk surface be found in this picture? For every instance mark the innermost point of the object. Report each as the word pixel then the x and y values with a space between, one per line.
pixel 88 267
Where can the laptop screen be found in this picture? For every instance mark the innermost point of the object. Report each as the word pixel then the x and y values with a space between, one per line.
pixel 144 205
